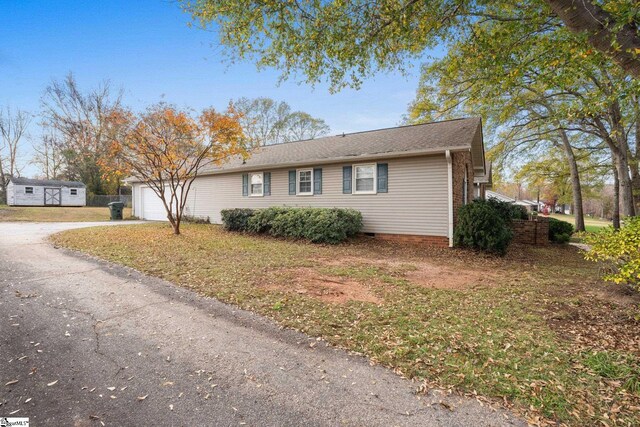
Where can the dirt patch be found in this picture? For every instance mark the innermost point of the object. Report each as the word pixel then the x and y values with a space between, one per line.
pixel 439 277
pixel 427 274
pixel 333 289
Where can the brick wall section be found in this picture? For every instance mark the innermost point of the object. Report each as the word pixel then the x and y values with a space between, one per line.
pixel 458 162
pixel 535 232
pixel 440 241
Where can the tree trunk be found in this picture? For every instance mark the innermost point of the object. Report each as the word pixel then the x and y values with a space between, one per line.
pixel 634 164
pixel 621 44
pixel 575 181
pixel 616 198
pixel 619 146
pixel 626 189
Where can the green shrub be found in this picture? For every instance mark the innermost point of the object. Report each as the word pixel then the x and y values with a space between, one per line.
pixel 318 225
pixel 261 220
pixel 560 231
pixel 236 219
pixel 331 225
pixel 350 220
pixel 483 225
pixel 508 211
pixel 618 249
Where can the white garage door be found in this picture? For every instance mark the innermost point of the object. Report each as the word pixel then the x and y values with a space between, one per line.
pixel 152 207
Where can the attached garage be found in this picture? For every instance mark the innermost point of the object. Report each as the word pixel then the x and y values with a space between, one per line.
pixel 151 207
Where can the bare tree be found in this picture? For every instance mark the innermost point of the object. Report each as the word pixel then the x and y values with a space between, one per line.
pixel 266 122
pixel 83 124
pixel 301 125
pixel 48 156
pixel 13 128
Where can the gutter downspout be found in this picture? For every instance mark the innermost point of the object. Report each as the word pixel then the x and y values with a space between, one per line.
pixel 450 195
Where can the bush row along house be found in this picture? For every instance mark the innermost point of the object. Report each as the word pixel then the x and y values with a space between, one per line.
pixel 408 182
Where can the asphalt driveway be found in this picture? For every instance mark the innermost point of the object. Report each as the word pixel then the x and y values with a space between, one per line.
pixel 84 342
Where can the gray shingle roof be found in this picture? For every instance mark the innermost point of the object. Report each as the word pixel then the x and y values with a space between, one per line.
pixel 400 141
pixel 46 182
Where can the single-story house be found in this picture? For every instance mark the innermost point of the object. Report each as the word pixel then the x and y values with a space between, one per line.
pixel 45 192
pixel 408 182
pixel 529 205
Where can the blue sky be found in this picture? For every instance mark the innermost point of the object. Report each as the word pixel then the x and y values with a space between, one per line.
pixel 146 48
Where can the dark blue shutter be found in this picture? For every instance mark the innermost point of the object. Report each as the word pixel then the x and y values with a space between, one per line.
pixel 346 179
pixel 245 184
pixel 317 181
pixel 292 183
pixel 383 177
pixel 267 183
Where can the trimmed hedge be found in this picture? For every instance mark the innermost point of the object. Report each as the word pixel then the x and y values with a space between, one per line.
pixel 318 225
pixel 484 225
pixel 560 231
pixel 236 219
pixel 508 211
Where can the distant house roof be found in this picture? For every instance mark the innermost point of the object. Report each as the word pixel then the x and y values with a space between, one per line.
pixel 404 141
pixel 493 195
pixel 46 182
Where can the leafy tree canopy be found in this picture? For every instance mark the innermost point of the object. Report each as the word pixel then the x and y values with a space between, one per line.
pixel 347 41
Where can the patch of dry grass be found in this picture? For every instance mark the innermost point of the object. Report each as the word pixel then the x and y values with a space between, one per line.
pixel 535 330
pixel 56 213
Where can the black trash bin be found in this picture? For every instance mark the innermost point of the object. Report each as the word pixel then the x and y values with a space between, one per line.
pixel 116 209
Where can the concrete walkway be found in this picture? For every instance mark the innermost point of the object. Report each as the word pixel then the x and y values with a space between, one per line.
pixel 90 343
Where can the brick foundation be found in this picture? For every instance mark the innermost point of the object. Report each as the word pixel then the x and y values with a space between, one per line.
pixel 531 232
pixel 439 241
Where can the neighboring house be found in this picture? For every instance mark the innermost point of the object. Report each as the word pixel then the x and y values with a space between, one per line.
pixel 529 205
pixel 45 192
pixel 408 182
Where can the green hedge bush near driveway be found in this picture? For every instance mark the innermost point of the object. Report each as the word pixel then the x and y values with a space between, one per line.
pixel 485 225
pixel 318 225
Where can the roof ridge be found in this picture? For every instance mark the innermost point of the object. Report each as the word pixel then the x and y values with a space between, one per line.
pixel 344 134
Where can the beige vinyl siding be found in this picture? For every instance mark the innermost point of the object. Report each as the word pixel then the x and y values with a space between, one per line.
pixel 416 202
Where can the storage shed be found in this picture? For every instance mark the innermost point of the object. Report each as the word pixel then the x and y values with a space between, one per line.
pixel 45 192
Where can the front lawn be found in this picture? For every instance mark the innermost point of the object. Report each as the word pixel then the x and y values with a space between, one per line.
pixel 56 213
pixel 536 331
pixel 591 225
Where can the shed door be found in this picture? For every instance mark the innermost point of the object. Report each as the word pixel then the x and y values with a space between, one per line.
pixel 152 207
pixel 52 196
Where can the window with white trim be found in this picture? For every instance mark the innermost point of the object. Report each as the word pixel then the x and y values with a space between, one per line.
pixel 256 184
pixel 364 179
pixel 28 190
pixel 305 182
pixel 73 191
